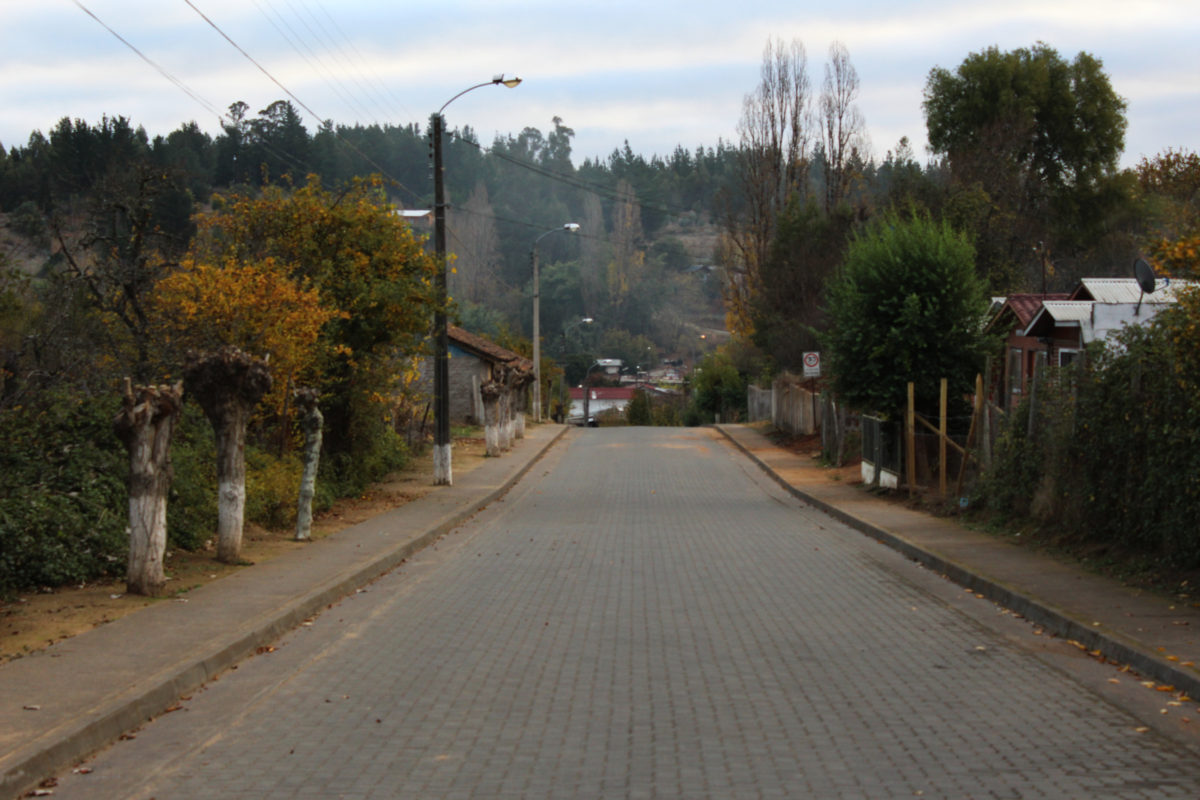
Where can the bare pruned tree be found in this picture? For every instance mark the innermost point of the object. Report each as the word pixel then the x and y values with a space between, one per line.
pixel 843 134
pixel 477 245
pixel 775 137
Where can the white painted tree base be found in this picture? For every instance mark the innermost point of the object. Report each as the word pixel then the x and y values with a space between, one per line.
pixel 442 473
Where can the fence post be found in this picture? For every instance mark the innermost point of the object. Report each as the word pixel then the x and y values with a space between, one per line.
pixel 942 439
pixel 910 441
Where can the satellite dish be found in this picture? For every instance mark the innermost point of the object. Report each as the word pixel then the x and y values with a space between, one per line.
pixel 1144 274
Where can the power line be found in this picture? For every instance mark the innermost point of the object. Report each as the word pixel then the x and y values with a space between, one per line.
pixel 178 83
pixel 311 58
pixel 321 120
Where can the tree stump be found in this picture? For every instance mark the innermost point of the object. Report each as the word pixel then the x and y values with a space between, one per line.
pixel 227 384
pixel 145 425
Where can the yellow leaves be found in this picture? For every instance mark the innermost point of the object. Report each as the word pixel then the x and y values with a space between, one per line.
pixel 254 306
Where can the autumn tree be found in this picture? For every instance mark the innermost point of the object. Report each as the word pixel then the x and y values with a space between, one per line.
pixel 1169 184
pixel 256 307
pixel 368 268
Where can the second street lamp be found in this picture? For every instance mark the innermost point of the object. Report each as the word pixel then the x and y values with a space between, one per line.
pixel 570 227
pixel 442 472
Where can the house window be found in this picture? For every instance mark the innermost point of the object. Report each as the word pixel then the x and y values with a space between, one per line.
pixel 1066 357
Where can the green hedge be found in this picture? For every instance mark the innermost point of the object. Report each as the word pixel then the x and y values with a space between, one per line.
pixel 1114 456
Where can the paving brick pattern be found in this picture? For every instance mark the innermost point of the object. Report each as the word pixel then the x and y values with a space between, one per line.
pixel 646 616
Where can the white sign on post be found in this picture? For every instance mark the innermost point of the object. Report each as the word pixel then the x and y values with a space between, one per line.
pixel 812 365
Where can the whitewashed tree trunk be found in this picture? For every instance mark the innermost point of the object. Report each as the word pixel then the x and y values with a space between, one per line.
pixel 228 384
pixel 312 422
pixel 505 420
pixel 145 424
pixel 490 392
pixel 230 433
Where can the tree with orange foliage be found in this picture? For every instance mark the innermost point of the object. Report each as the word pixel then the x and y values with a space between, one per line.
pixel 366 266
pixel 1170 188
pixel 255 306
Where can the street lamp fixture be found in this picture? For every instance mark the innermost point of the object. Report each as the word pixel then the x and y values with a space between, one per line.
pixel 587 393
pixel 442 472
pixel 570 227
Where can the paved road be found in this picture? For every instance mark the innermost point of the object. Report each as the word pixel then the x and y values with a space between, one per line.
pixel 646 615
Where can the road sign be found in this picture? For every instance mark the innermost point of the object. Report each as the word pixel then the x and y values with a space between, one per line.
pixel 812 365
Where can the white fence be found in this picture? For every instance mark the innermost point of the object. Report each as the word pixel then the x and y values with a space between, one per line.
pixel 788 405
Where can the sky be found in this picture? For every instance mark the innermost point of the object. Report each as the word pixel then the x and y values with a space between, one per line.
pixel 655 74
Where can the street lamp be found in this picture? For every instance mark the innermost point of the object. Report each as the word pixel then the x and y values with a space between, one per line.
pixel 568 328
pixel 570 227
pixel 442 473
pixel 587 393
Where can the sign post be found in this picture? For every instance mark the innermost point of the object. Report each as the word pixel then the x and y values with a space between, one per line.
pixel 812 365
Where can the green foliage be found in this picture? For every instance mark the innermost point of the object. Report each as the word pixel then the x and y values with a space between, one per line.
pixel 1114 455
pixel 906 306
pixel 192 502
pixel 718 389
pixel 381 451
pixel 272 488
pixel 1033 143
pixel 1061 120
pixel 807 248
pixel 638 411
pixel 63 499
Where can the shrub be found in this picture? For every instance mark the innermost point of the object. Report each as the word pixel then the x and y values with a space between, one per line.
pixel 272 488
pixel 192 503
pixel 63 496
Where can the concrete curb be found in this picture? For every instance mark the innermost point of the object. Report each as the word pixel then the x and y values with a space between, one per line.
pixel 127 710
pixel 1057 621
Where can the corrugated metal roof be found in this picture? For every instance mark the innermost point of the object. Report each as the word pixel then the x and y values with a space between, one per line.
pixel 1126 290
pixel 1023 306
pixel 1108 290
pixel 1069 310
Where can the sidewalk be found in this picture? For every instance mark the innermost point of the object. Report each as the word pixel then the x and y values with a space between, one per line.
pixel 1158 637
pixel 79 695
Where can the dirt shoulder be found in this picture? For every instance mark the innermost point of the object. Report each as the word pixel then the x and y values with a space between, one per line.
pixel 35 621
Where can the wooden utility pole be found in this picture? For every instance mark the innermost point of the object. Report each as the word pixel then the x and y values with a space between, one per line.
pixel 910 441
pixel 942 439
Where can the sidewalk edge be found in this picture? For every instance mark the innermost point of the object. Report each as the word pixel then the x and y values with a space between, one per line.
pixel 130 712
pixel 1111 645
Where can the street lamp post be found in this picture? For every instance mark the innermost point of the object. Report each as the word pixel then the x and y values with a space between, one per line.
pixel 587 392
pixel 568 328
pixel 570 227
pixel 442 472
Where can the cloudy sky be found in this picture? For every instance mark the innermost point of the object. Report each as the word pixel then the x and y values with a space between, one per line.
pixel 655 73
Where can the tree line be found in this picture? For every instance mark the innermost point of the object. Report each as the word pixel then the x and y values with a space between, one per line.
pixel 130 252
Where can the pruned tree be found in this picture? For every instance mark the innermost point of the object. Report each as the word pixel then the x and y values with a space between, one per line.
pixel 227 384
pixel 775 133
pixel 145 424
pixel 311 421
pixel 476 269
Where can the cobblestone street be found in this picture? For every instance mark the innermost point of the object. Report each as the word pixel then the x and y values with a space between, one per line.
pixel 647 615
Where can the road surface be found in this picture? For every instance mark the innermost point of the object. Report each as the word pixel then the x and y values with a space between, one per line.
pixel 646 615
